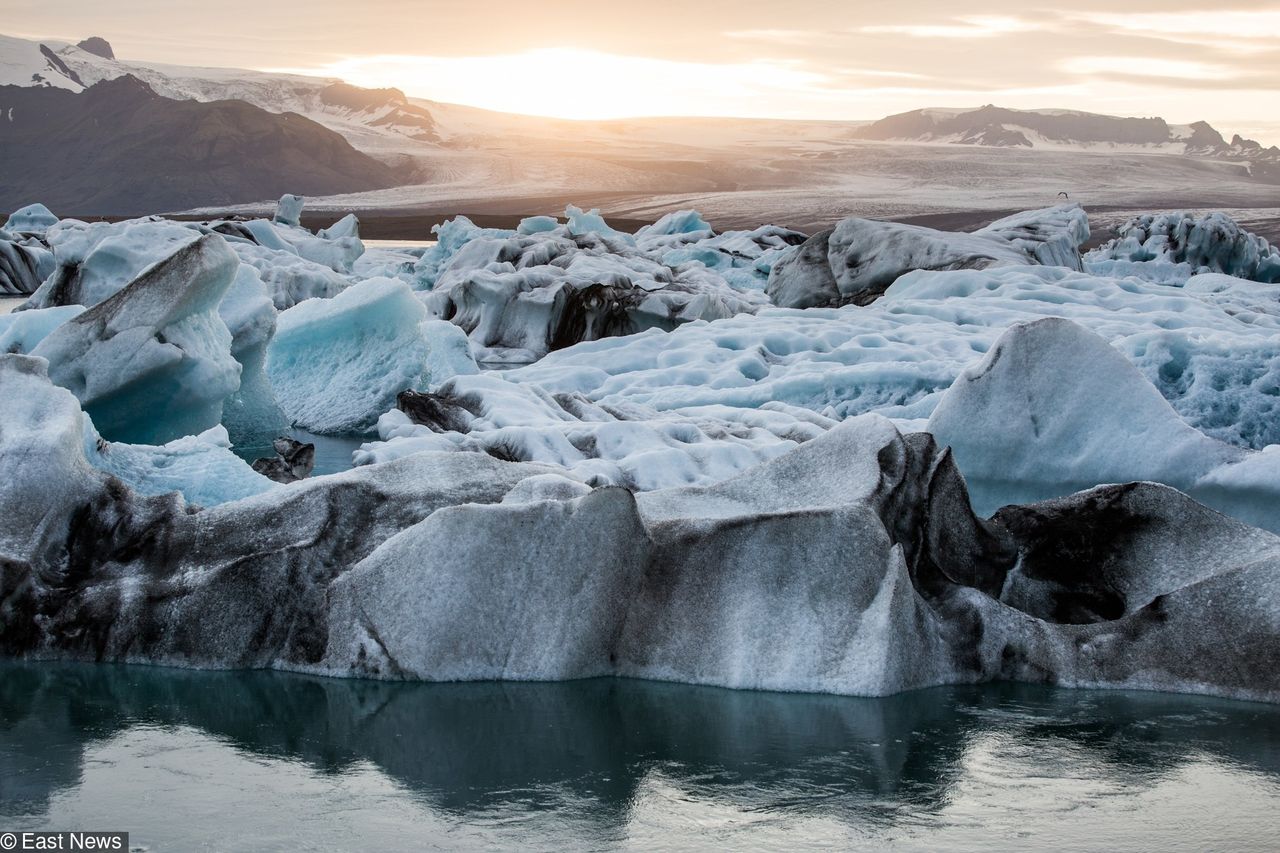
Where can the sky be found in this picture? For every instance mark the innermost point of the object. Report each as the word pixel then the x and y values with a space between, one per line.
pixel 1178 59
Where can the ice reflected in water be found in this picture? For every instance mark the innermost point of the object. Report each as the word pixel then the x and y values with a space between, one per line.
pixel 185 760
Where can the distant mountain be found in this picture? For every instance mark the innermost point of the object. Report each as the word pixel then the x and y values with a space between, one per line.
pixel 998 127
pixel 382 122
pixel 117 147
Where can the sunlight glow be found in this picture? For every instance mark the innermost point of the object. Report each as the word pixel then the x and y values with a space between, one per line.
pixel 581 84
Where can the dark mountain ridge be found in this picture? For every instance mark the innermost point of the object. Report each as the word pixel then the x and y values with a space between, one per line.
pixel 118 148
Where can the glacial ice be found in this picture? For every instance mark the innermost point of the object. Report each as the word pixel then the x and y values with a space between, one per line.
pixel 1217 364
pixel 94 261
pixel 851 564
pixel 857 260
pixel 24 264
pixel 1053 409
pixel 632 446
pixel 289 210
pixel 337 364
pixel 291 279
pixel 251 414
pixel 22 331
pixel 1212 243
pixel 32 219
pixel 692 485
pixel 519 296
pixel 153 362
pixel 201 467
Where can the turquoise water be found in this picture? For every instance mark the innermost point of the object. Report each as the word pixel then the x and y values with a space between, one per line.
pixel 264 761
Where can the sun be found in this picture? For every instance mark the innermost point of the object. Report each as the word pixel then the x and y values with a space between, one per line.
pixel 565 82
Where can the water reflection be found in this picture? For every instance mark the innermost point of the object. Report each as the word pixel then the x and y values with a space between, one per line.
pixel 599 750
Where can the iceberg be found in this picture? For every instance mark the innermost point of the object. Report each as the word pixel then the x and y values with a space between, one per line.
pixel 1212 243
pixel 201 467
pixel 1053 409
pixel 856 261
pixel 632 446
pixel 24 264
pixel 22 331
pixel 337 364
pixel 153 362
pixel 289 278
pixel 94 261
pixel 1213 353
pixel 289 210
pixel 850 565
pixel 518 296
pixel 251 414
pixel 32 219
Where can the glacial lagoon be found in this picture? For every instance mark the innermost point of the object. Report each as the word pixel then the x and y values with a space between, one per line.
pixel 177 758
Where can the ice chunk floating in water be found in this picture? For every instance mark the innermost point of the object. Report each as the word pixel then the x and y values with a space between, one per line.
pixel 692 485
pixel 716 584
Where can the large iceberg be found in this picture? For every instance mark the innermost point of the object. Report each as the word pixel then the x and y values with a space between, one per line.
pixel 1053 409
pixel 337 364
pixel 520 295
pixel 1212 243
pixel 94 261
pixel 855 262
pixel 153 362
pixel 851 564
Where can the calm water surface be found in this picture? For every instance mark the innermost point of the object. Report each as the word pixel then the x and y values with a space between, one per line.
pixel 265 761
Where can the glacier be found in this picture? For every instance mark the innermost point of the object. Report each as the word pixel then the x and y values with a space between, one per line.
pixel 871 459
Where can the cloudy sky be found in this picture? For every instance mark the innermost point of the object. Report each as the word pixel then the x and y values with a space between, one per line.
pixel 1180 59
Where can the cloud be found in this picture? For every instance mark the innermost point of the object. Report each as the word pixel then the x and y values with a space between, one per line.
pixel 1135 66
pixel 775 36
pixel 1238 32
pixel 1236 24
pixel 965 27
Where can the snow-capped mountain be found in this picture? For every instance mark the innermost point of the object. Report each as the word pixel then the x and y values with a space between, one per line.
pixel 453 158
pixel 374 120
pixel 117 147
pixel 998 127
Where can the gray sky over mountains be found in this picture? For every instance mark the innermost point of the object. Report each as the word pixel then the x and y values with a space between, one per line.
pixel 799 59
